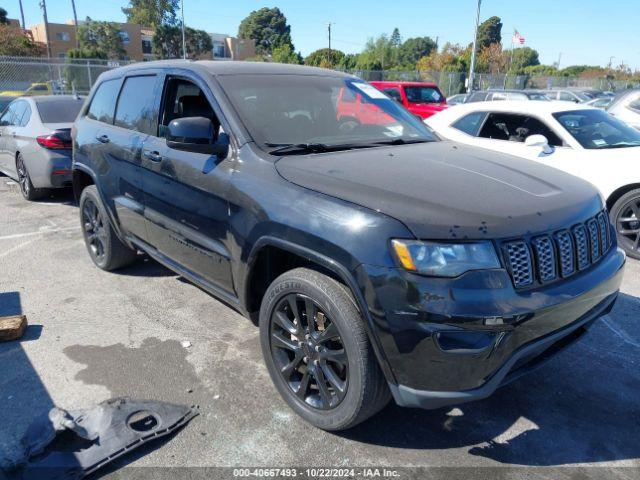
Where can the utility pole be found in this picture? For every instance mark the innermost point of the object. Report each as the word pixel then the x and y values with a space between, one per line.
pixel 559 59
pixel 473 53
pixel 610 61
pixel 24 27
pixel 329 53
pixel 437 37
pixel 184 43
pixel 75 21
pixel 43 6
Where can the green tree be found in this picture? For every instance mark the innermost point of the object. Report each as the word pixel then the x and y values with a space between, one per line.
pixel 167 42
pixel 316 58
pixel 151 13
pixel 14 42
pixel 285 54
pixel 522 58
pixel 576 70
pixel 396 39
pixel 3 17
pixel 348 63
pixel 103 37
pixel 413 49
pixel 378 54
pixel 268 28
pixel 489 31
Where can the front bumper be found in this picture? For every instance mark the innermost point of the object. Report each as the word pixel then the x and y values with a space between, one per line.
pixel 450 341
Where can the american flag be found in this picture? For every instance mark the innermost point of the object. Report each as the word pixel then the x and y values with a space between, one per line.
pixel 517 38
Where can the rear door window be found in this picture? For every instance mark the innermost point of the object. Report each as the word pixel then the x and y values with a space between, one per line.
pixel 18 110
pixel 394 93
pixel 136 104
pixel 103 103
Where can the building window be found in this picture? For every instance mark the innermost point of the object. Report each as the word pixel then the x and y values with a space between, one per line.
pixel 147 47
pixel 62 55
pixel 218 50
pixel 124 36
pixel 63 36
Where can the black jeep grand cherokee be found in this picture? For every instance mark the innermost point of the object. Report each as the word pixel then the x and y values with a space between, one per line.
pixel 379 260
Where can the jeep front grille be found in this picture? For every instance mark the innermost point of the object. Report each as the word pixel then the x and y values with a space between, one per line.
pixel 549 257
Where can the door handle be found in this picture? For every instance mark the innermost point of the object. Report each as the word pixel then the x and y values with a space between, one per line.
pixel 153 156
pixel 102 138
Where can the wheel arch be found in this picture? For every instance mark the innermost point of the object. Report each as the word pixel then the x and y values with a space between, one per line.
pixel 619 192
pixel 256 283
pixel 81 178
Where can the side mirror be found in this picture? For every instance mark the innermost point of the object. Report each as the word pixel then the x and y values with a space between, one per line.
pixel 539 141
pixel 196 134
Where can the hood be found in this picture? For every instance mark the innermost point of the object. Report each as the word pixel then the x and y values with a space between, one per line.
pixel 444 190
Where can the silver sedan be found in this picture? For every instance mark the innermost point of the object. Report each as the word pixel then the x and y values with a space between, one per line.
pixel 35 142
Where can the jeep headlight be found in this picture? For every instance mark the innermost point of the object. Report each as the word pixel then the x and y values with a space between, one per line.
pixel 441 259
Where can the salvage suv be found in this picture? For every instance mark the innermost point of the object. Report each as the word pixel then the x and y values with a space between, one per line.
pixel 378 260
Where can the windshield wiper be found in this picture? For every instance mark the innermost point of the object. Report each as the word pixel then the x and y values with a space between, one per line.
pixel 401 141
pixel 284 148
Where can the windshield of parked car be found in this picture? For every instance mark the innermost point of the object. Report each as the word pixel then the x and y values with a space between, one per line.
pixel 63 110
pixel 423 95
pixel 596 129
pixel 286 112
pixel 537 96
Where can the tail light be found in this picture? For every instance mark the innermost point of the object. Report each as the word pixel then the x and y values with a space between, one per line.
pixel 55 141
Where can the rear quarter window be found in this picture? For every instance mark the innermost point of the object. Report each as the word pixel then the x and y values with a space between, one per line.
pixel 103 103
pixel 470 124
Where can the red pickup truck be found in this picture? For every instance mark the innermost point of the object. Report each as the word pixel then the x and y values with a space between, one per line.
pixel 420 98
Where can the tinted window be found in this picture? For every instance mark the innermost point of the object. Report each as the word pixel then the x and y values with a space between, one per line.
pixel 595 129
pixel 423 95
pixel 64 110
pixel 516 128
pixel 103 103
pixel 393 93
pixel 470 124
pixel 135 109
pixel 26 116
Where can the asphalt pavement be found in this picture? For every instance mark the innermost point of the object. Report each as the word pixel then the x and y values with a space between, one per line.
pixel 95 335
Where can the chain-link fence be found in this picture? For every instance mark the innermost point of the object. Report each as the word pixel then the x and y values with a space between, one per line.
pixel 19 74
pixel 452 83
pixel 39 75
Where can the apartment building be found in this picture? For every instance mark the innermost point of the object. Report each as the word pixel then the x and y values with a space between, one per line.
pixel 138 42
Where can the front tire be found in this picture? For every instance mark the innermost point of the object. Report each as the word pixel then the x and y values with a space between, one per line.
pixel 317 351
pixel 625 215
pixel 105 248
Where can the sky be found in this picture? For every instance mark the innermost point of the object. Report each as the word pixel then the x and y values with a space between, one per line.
pixel 582 31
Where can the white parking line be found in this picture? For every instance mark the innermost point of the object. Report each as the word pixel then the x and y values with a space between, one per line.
pixel 17 247
pixel 621 334
pixel 42 231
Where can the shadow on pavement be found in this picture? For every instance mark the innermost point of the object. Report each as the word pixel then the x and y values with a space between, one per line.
pixel 146 267
pixel 23 396
pixel 581 407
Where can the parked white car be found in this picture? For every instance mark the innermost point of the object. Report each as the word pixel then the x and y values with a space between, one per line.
pixel 626 107
pixel 584 141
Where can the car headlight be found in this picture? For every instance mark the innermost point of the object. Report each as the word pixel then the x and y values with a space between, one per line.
pixel 445 259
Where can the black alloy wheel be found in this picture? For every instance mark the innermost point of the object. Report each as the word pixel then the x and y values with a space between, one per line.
pixel 308 351
pixel 94 230
pixel 627 223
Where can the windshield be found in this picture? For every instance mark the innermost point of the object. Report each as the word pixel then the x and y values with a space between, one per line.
pixel 423 95
pixel 294 110
pixel 64 110
pixel 596 129
pixel 541 97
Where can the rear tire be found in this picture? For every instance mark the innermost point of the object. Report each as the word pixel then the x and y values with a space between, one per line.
pixel 29 192
pixel 625 216
pixel 105 248
pixel 331 355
